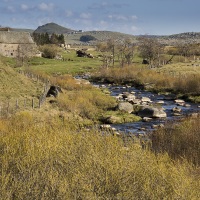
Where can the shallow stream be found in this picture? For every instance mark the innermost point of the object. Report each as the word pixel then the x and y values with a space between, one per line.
pixel 142 127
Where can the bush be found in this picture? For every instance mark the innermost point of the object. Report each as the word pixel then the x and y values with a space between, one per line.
pixel 87 38
pixel 49 51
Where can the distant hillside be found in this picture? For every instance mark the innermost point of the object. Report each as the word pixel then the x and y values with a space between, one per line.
pixel 173 39
pixel 73 36
pixel 99 35
pixel 22 30
pixel 53 28
pixel 187 35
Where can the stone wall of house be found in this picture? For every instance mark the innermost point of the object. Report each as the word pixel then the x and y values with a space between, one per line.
pixel 9 50
pixel 14 44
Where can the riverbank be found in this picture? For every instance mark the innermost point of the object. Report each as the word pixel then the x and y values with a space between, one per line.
pixel 186 86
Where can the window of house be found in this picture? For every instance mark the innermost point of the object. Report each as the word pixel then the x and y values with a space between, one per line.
pixel 11 54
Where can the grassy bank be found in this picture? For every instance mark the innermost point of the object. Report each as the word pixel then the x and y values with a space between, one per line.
pixel 15 86
pixel 157 79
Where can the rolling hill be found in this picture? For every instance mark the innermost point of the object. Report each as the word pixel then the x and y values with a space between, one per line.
pixel 73 36
pixel 53 28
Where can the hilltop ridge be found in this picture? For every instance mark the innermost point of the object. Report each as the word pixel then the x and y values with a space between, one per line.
pixel 73 36
pixel 53 28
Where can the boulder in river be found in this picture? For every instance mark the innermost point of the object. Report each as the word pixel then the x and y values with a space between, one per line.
pixel 176 110
pixel 146 99
pixel 152 112
pixel 125 106
pixel 146 119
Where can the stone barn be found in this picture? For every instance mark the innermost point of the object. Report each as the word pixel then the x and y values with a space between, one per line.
pixel 17 44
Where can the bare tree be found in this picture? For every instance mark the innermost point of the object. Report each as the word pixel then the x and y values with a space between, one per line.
pixel 125 52
pixel 183 48
pixel 151 50
pixel 105 49
pixel 25 51
pixel 111 49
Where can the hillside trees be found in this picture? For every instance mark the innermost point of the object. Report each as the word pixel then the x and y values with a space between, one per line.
pixel 188 49
pixel 87 38
pixel 45 38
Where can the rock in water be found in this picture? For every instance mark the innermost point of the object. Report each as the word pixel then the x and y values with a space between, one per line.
pixel 152 112
pixel 125 106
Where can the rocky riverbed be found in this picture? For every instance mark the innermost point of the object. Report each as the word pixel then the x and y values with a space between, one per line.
pixel 154 109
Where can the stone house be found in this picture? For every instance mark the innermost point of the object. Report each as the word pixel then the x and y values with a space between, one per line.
pixel 17 44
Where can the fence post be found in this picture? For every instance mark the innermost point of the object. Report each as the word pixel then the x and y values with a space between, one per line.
pixel 17 104
pixel 8 106
pixel 25 103
pixel 32 103
pixel 40 99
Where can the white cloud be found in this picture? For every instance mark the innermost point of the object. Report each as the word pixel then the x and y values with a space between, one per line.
pixel 68 13
pixel 24 7
pixel 14 19
pixel 134 28
pixel 85 15
pixel 43 21
pixel 118 17
pixel 133 17
pixel 122 17
pixel 103 23
pixel 46 7
pixel 11 9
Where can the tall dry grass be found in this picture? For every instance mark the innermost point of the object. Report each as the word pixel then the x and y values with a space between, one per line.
pixel 86 103
pixel 180 141
pixel 162 81
pixel 44 158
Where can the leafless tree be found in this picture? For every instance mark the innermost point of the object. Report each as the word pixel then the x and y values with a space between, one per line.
pixel 151 50
pixel 125 52
pixel 24 52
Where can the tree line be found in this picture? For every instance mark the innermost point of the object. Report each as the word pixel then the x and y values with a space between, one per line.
pixel 151 50
pixel 45 38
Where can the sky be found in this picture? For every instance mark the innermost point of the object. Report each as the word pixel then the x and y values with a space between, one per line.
pixel 135 17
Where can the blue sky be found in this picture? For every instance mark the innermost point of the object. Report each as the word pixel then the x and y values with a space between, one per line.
pixel 160 17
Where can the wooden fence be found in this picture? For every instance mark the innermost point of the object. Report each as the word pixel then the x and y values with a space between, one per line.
pixel 11 106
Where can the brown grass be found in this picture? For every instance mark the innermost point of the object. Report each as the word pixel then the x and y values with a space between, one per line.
pixel 160 80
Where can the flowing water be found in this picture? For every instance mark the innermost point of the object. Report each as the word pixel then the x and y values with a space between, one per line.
pixel 142 127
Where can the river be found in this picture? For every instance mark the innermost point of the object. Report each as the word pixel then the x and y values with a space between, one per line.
pixel 168 104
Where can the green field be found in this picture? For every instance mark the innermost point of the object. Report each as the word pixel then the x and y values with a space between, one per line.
pixel 71 64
